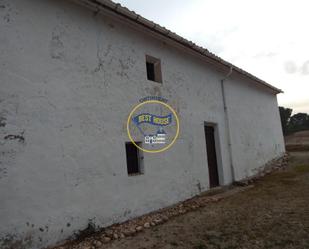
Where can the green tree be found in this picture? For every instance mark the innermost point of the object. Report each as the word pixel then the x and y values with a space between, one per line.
pixel 298 122
pixel 285 115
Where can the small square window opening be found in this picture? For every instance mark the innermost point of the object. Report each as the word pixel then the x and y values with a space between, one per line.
pixel 153 67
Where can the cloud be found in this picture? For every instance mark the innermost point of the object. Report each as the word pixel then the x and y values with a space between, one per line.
pixel 305 68
pixel 290 67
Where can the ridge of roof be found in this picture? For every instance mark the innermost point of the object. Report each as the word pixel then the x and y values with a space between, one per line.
pixel 131 15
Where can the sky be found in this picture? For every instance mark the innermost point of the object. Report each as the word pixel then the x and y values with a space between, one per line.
pixel 267 38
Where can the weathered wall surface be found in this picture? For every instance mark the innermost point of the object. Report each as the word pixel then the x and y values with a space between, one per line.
pixel 69 78
pixel 255 127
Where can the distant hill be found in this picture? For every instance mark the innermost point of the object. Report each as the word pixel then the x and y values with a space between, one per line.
pixel 298 141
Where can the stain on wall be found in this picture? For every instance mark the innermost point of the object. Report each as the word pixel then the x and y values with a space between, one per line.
pixel 11 241
pixel 56 46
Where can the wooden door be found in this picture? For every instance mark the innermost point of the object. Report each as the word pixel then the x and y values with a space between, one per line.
pixel 211 156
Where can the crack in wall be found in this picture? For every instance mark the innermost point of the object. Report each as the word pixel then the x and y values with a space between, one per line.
pixel 20 138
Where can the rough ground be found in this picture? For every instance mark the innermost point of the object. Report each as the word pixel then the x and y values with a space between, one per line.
pixel 273 214
pixel 298 141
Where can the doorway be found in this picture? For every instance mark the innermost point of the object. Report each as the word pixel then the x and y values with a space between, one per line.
pixel 211 156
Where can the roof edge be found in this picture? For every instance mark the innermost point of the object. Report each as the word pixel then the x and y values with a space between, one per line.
pixel 132 16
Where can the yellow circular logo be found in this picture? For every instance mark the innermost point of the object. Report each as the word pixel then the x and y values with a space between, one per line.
pixel 153 126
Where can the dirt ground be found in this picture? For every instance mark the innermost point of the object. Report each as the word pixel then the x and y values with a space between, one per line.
pixel 300 137
pixel 298 141
pixel 272 214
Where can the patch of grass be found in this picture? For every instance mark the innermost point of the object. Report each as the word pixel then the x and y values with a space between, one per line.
pixel 231 247
pixel 200 246
pixel 158 236
pixel 281 175
pixel 273 181
pixel 302 168
pixel 174 243
pixel 297 147
pixel 289 181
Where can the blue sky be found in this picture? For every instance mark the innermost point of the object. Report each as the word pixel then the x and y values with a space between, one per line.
pixel 269 39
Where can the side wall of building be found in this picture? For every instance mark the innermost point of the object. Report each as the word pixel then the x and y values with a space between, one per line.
pixel 69 78
pixel 255 127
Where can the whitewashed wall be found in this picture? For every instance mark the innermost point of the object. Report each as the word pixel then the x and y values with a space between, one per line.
pixel 255 127
pixel 69 78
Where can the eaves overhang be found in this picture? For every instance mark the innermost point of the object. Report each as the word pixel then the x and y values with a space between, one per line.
pixel 124 12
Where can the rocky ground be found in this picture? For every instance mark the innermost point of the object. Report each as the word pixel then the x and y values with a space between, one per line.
pixel 269 212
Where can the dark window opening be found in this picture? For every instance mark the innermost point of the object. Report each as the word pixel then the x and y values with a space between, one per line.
pixel 133 158
pixel 150 71
pixel 153 67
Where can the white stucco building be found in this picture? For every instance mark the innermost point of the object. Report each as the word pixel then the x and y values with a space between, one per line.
pixel 70 73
